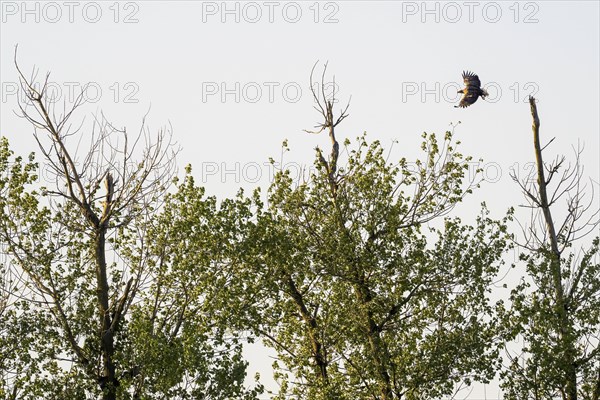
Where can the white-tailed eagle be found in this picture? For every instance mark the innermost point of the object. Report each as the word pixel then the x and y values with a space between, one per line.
pixel 471 91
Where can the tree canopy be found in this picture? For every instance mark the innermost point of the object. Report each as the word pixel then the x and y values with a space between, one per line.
pixel 123 280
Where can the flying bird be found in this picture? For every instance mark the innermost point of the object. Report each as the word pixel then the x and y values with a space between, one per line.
pixel 471 91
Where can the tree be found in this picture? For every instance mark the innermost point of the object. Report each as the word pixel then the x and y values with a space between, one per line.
pixel 15 327
pixel 93 309
pixel 557 309
pixel 196 290
pixel 357 291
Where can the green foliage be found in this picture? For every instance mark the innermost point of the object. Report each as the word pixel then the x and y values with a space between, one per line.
pixel 171 343
pixel 540 371
pixel 356 277
pixel 360 298
pixel 183 319
pixel 556 308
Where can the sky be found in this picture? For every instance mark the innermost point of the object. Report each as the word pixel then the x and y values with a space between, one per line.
pixel 232 80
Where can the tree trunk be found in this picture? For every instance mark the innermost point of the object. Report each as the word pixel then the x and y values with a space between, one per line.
pixel 565 329
pixel 108 381
pixel 317 347
pixel 378 353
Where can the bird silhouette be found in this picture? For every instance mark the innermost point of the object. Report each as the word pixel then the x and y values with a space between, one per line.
pixel 472 90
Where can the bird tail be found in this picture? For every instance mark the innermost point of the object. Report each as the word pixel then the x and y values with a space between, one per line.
pixel 484 93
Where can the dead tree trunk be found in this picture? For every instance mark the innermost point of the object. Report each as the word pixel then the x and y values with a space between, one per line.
pixel 561 306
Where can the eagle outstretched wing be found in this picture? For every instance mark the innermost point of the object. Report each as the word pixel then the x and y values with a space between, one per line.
pixel 471 80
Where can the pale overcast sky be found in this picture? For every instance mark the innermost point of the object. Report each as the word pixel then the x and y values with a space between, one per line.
pixel 232 78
